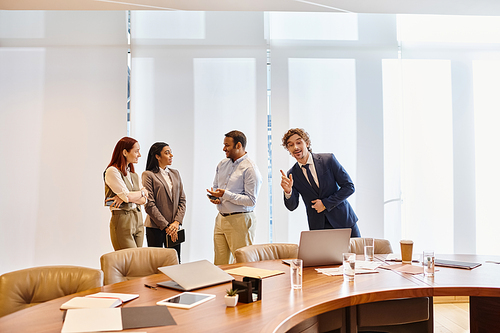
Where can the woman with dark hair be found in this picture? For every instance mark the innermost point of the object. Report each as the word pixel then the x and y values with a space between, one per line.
pixel 124 192
pixel 166 199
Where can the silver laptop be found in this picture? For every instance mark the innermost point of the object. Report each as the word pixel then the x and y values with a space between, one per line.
pixel 193 275
pixel 323 247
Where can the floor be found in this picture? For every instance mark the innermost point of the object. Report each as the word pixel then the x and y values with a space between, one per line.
pixel 451 317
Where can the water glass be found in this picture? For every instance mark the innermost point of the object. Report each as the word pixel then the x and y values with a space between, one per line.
pixel 428 261
pixel 349 264
pixel 296 273
pixel 369 249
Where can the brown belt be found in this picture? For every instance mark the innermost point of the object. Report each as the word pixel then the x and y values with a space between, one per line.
pixel 228 214
pixel 124 212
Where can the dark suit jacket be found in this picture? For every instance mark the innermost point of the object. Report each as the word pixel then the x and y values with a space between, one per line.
pixel 335 187
pixel 163 207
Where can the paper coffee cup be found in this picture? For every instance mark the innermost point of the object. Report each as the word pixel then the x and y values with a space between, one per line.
pixel 406 251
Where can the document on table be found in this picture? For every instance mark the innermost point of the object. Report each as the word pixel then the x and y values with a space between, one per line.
pixel 91 302
pixel 123 297
pixel 405 268
pixel 116 319
pixel 397 257
pixel 92 320
pixel 258 273
pixel 98 300
pixel 362 267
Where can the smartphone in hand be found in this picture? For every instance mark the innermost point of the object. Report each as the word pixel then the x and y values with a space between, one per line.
pixel 211 197
pixel 109 201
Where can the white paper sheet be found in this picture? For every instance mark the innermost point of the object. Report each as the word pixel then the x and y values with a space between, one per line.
pixel 92 320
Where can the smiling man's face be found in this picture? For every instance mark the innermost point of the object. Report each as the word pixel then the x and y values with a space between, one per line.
pixel 298 148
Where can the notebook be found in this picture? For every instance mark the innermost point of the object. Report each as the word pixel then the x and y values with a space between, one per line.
pixel 91 302
pixel 323 247
pixel 193 275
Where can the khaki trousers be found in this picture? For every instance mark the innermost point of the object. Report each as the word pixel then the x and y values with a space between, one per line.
pixel 231 233
pixel 126 229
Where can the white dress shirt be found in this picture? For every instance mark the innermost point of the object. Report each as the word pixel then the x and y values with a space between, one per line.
pixel 166 175
pixel 114 179
pixel 312 168
pixel 241 181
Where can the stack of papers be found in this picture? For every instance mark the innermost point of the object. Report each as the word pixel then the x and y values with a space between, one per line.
pixel 258 273
pixel 405 268
pixel 124 297
pixel 91 303
pixel 362 267
pixel 397 257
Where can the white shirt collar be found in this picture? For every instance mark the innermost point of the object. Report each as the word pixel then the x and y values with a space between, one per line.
pixel 240 159
pixel 309 160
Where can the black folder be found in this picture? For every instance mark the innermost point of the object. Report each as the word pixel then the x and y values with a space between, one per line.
pixel 181 237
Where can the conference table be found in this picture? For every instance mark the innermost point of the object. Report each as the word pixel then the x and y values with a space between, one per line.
pixel 281 307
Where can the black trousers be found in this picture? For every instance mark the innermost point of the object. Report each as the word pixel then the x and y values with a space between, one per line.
pixel 158 238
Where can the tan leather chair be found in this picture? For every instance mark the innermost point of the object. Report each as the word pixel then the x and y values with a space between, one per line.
pixel 329 322
pixel 24 288
pixel 406 315
pixel 325 322
pixel 259 252
pixel 128 264
pixel 380 246
pixel 402 315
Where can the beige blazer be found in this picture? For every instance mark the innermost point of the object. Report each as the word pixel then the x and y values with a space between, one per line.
pixel 163 207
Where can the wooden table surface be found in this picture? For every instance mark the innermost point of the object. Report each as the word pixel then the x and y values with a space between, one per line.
pixel 281 307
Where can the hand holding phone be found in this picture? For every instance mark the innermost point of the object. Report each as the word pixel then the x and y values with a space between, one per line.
pixel 211 197
pixel 112 201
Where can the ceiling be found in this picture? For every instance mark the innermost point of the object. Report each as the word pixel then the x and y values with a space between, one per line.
pixel 450 7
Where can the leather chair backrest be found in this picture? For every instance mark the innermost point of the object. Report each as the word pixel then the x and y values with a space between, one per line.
pixel 259 252
pixel 24 288
pixel 128 264
pixel 381 246
pixel 393 312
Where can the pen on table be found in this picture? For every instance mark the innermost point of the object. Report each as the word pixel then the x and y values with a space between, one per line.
pixel 150 287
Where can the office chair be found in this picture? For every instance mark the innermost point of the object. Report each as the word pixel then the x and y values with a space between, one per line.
pixel 406 315
pixel 333 321
pixel 380 246
pixel 259 252
pixel 128 264
pixel 28 287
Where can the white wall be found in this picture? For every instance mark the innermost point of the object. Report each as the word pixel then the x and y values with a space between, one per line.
pixel 62 109
pixel 63 85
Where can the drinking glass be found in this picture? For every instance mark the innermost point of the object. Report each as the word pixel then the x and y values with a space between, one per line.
pixel 369 249
pixel 349 264
pixel 428 261
pixel 296 273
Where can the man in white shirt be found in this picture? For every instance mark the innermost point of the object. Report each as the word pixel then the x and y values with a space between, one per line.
pixel 235 189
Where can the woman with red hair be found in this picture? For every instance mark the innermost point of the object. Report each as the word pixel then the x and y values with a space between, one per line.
pixel 124 193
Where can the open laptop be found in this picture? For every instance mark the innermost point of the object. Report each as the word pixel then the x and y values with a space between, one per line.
pixel 323 247
pixel 193 275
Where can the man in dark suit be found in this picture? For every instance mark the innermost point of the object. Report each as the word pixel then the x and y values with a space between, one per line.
pixel 321 181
